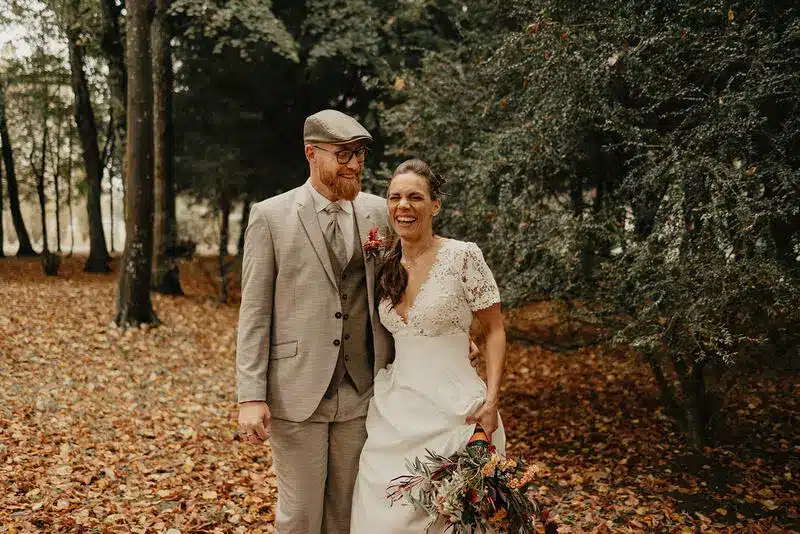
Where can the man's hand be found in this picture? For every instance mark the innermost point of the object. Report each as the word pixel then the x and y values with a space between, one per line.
pixel 474 353
pixel 254 422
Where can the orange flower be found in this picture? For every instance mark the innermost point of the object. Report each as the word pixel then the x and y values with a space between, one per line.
pixel 498 515
pixel 489 467
pixel 515 483
pixel 509 464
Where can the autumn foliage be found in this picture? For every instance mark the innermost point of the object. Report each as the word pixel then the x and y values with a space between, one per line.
pixel 132 432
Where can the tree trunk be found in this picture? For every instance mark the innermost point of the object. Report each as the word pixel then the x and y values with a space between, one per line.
pixel 2 237
pixel 56 179
pixel 166 278
pixel 243 228
pixel 225 211
pixel 133 293
pixel 106 157
pixel 69 193
pixel 87 131
pixel 668 400
pixel 40 178
pixel 112 46
pixel 25 247
pixel 111 209
pixel 40 193
pixel 696 403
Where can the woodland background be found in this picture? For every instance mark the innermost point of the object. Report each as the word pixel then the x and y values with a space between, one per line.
pixel 630 170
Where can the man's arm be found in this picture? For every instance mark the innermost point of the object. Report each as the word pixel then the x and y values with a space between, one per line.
pixel 255 321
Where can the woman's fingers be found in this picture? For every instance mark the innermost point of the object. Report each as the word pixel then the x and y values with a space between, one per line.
pixel 476 417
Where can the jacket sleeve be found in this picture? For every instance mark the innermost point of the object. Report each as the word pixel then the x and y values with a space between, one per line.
pixel 255 311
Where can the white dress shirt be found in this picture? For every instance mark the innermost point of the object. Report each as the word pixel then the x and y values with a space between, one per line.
pixel 346 223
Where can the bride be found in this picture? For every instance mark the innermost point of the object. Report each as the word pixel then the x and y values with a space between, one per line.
pixel 429 289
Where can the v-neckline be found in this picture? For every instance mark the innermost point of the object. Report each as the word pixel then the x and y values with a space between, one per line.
pixel 404 317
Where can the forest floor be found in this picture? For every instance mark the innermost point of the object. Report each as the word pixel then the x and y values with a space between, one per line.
pixel 109 431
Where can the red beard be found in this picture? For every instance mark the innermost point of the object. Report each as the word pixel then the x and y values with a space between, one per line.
pixel 343 188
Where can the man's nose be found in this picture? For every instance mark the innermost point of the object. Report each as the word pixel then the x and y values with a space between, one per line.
pixel 354 164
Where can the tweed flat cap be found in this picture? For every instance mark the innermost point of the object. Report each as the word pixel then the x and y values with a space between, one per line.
pixel 334 127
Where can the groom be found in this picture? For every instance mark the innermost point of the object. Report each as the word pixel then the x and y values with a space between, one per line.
pixel 310 340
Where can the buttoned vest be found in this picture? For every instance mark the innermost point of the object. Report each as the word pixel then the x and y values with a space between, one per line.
pixel 356 353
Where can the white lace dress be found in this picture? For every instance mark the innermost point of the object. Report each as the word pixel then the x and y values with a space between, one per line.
pixel 422 400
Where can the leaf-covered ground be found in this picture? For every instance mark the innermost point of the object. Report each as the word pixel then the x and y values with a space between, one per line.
pixel 104 431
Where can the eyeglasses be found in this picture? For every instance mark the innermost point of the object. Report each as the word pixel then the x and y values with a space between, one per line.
pixel 343 157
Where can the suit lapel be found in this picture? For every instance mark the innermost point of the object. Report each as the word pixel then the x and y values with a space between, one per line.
pixel 308 216
pixel 364 223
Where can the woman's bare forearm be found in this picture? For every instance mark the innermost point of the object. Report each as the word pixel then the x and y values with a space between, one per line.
pixel 495 352
pixel 495 363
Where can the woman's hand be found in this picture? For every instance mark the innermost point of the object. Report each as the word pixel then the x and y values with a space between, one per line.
pixel 487 417
pixel 474 353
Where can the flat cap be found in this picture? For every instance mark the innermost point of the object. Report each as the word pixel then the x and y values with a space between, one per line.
pixel 334 127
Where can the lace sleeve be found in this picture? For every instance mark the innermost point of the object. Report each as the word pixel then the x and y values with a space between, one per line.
pixel 479 285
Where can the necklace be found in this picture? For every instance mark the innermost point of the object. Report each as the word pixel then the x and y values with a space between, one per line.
pixel 410 263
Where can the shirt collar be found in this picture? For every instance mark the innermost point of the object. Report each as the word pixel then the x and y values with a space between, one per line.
pixel 320 202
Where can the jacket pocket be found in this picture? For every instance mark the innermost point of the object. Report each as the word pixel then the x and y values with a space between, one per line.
pixel 283 350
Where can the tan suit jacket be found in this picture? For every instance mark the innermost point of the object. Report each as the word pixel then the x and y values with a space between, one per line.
pixel 288 326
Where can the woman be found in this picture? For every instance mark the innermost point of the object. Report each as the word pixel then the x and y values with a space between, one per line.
pixel 429 289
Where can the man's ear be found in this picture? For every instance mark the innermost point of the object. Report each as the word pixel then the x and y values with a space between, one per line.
pixel 309 150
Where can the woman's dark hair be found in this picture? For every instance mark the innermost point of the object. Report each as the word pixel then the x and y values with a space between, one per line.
pixel 392 278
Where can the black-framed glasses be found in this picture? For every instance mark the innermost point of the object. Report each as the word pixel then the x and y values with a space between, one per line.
pixel 343 157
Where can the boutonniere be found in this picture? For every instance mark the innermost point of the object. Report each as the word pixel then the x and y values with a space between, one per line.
pixel 375 243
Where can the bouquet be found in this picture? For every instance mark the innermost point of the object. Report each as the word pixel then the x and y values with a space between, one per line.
pixel 472 490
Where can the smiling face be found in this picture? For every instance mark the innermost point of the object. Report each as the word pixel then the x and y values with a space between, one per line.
pixel 332 179
pixel 410 206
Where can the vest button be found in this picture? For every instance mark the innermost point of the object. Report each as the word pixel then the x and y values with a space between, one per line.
pixel 346 317
pixel 336 342
pixel 344 296
pixel 347 357
pixel 339 315
pixel 347 336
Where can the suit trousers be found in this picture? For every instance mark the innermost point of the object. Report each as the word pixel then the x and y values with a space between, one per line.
pixel 316 463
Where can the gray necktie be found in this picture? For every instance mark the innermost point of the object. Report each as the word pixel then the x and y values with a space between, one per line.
pixel 334 235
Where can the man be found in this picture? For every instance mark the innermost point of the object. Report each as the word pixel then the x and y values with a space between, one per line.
pixel 310 340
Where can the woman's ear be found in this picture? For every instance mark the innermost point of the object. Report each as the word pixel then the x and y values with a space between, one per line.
pixel 437 207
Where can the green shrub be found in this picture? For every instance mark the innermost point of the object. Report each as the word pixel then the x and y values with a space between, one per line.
pixel 643 158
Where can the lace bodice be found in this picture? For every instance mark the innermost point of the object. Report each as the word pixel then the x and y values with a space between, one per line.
pixel 459 283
